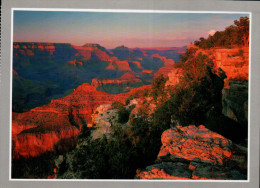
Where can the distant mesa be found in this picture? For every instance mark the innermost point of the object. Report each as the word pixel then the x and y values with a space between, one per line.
pixel 122 47
pixel 127 76
pixel 165 71
pixel 126 79
pixel 119 65
pixel 175 49
pixel 147 71
pixel 91 45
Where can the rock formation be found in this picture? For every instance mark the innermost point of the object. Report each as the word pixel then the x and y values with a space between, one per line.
pixel 174 77
pixel 40 129
pixel 93 50
pixel 103 119
pixel 126 79
pixel 44 71
pixel 168 52
pixel 234 63
pixel 196 153
pixel 119 65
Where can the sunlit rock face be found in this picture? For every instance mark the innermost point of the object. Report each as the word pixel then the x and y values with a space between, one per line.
pixel 35 141
pixel 119 65
pixel 104 115
pixel 42 128
pixel 88 51
pixel 164 71
pixel 142 106
pixel 42 50
pixel 196 153
pixel 235 64
pixel 195 142
pixel 174 76
pixel 103 119
pixel 126 79
pixel 165 59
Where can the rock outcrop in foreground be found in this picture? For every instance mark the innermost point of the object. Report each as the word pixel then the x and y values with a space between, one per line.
pixel 196 153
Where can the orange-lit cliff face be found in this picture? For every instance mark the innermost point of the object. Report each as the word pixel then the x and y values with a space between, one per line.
pixel 198 142
pixel 29 48
pixel 40 129
pixel 195 153
pixel 234 62
pixel 126 78
pixel 163 58
pixel 119 65
pixel 88 50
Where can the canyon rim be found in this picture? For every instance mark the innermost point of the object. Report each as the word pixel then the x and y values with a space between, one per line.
pixel 124 95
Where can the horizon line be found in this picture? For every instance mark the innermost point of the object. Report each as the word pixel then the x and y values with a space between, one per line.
pixel 121 45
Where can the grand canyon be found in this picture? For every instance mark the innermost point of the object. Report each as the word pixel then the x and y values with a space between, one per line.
pixel 89 112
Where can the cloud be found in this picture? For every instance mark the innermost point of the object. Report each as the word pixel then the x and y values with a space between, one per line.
pixel 212 32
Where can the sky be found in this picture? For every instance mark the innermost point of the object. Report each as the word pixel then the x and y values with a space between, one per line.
pixel 112 29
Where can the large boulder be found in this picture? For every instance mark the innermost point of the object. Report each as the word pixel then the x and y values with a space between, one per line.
pixel 197 153
pixel 195 142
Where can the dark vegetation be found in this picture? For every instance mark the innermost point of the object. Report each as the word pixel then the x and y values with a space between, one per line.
pixel 33 167
pixel 237 34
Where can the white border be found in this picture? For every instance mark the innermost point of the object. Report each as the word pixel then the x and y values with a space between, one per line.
pixel 128 11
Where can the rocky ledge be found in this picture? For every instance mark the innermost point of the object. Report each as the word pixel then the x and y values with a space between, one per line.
pixel 197 153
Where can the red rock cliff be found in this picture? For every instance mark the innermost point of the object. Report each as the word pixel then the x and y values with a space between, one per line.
pixel 126 78
pixel 38 130
pixel 234 62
